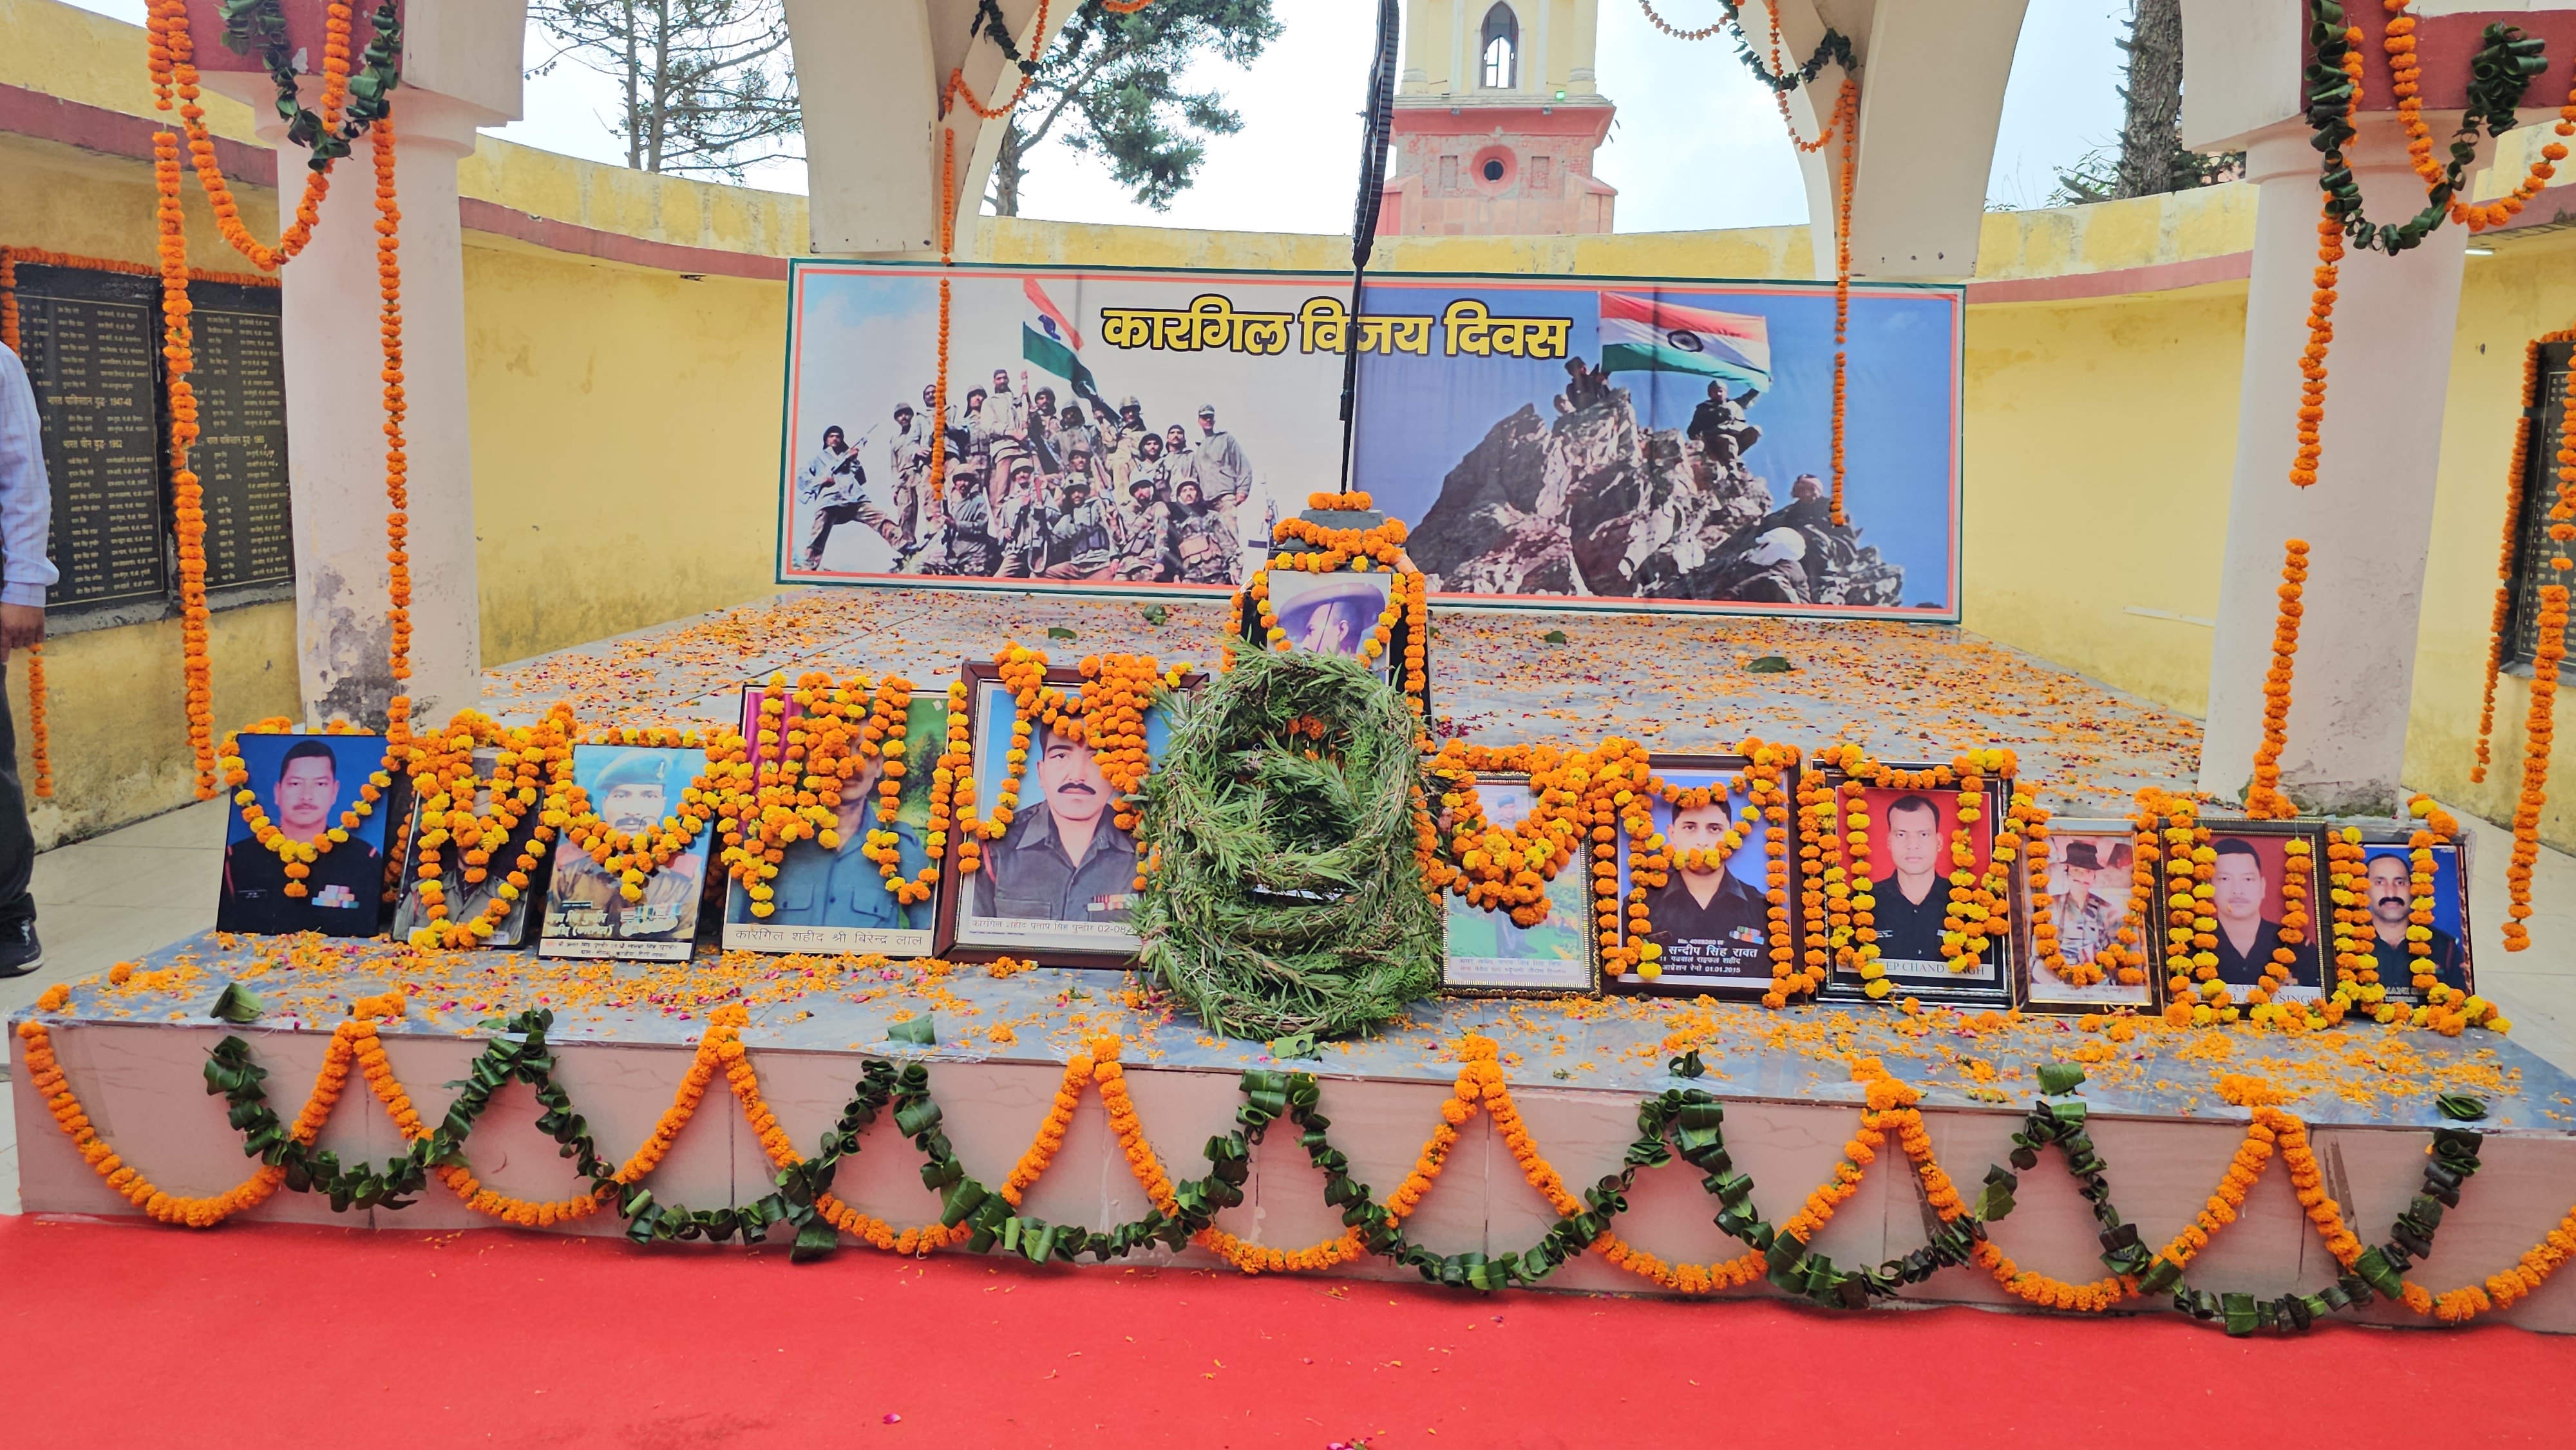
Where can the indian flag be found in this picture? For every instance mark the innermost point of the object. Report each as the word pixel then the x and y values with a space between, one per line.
pixel 1645 334
pixel 1047 339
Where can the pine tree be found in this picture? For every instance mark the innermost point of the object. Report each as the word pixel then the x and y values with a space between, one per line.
pixel 707 84
pixel 1110 86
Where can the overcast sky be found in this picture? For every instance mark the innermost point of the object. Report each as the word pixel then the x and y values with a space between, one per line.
pixel 1697 143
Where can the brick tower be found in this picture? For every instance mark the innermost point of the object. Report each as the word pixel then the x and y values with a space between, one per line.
pixel 1496 121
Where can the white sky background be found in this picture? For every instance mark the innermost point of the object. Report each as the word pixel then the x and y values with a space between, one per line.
pixel 1697 144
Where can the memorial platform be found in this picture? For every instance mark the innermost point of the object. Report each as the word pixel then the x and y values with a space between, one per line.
pixel 133 1044
pixel 624 1036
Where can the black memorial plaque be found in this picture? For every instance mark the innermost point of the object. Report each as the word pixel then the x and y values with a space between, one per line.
pixel 91 343
pixel 240 457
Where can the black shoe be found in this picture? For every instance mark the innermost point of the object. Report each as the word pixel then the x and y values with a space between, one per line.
pixel 20 952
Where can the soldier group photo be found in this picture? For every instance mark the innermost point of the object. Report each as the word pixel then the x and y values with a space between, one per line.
pixel 1040 485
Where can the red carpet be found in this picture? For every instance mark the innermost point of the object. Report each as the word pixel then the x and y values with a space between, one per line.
pixel 269 1336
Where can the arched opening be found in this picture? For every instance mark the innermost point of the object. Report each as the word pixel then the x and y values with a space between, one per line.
pixel 1502 48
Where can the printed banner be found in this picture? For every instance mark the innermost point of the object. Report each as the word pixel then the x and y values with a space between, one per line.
pixel 1554 440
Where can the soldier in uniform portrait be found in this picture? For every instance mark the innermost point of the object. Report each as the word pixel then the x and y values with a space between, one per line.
pixel 1707 920
pixel 631 794
pixel 1219 464
pixel 1077 526
pixel 1204 538
pixel 1063 858
pixel 1006 412
pixel 833 486
pixel 1142 531
pixel 1150 465
pixel 1336 614
pixel 843 888
pixel 910 448
pixel 970 546
pixel 2086 921
pixel 1911 901
pixel 2248 941
pixel 1719 426
pixel 343 886
pixel 1016 520
pixel 2389 887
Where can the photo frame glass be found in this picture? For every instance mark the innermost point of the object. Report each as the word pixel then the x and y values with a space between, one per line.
pixel 306 786
pixel 1910 834
pixel 2251 912
pixel 1331 613
pixel 632 788
pixel 2388 873
pixel 2106 957
pixel 826 900
pixel 1712 925
pixel 468 900
pixel 1061 879
pixel 1488 953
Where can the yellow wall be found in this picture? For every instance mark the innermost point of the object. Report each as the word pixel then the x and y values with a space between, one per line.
pixel 2092 429
pixel 625 444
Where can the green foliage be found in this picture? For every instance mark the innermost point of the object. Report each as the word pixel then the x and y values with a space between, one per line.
pixel 1113 86
pixel 707 86
pixel 258 27
pixel 2506 63
pixel 1286 898
pixel 236 1004
pixel 1684 1122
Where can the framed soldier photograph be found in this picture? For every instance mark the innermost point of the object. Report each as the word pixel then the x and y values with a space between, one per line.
pixel 1332 613
pixel 1058 885
pixel 466 901
pixel 840 898
pixel 285 869
pixel 590 912
pixel 1907 849
pixel 1703 879
pixel 2263 921
pixel 1547 950
pixel 2097 952
pixel 2418 932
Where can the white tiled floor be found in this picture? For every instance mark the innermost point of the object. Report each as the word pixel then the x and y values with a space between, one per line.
pixel 115 897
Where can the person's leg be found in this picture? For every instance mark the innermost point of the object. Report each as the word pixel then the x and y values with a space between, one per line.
pixel 19 952
pixel 818 533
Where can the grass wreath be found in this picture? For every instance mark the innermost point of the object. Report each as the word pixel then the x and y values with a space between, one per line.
pixel 1281 895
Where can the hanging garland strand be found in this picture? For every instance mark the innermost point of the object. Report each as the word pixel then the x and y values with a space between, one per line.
pixel 350 106
pixel 2540 722
pixel 1835 49
pixel 397 468
pixel 2517 469
pixel 39 729
pixel 2264 799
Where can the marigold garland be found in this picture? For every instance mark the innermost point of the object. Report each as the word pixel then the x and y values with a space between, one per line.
pixel 716 795
pixel 2264 799
pixel 397 466
pixel 797 786
pixel 532 772
pixel 1890 1109
pixel 2540 720
pixel 2540 723
pixel 170 62
pixel 2517 469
